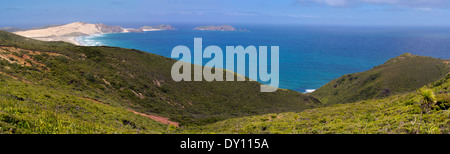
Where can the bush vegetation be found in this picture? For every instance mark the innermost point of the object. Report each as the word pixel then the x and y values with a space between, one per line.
pixel 48 96
pixel 34 109
pixel 398 75
pixel 397 114
pixel 142 82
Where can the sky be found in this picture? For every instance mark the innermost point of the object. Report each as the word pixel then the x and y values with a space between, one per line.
pixel 33 13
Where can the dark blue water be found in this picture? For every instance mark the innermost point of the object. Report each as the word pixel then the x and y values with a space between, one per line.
pixel 309 56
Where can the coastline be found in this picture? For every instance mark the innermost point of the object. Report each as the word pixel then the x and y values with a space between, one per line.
pixel 85 40
pixel 149 30
pixel 82 40
pixel 71 39
pixel 78 33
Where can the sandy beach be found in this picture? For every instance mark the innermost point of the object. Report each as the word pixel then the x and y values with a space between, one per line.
pixel 72 40
pixel 147 30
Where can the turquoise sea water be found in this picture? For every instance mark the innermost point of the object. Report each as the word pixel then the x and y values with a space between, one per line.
pixel 309 56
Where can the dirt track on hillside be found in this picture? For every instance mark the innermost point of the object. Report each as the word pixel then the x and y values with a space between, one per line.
pixel 160 119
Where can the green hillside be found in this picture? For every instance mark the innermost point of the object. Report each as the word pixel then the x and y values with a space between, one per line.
pixel 130 79
pixel 35 109
pixel 401 74
pixel 57 87
pixel 399 114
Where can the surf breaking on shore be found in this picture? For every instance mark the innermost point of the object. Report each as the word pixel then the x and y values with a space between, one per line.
pixel 88 40
pixel 309 90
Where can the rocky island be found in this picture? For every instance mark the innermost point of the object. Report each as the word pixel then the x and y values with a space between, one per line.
pixel 218 28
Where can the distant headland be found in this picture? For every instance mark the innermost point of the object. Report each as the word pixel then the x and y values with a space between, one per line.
pixel 157 28
pixel 69 32
pixel 218 28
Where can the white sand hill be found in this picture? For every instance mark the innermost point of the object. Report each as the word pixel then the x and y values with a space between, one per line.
pixel 69 32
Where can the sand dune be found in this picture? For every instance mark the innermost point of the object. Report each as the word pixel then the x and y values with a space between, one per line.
pixel 68 32
pixel 72 29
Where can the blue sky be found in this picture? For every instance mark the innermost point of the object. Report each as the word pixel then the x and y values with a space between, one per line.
pixel 22 13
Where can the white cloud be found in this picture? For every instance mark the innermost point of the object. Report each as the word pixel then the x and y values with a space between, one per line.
pixel 401 3
pixel 425 9
pixel 272 15
pixel 243 13
pixel 190 13
pixel 334 3
pixel 298 15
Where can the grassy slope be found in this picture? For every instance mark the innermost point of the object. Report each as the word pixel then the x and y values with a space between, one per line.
pixel 130 79
pixel 27 108
pixel 394 114
pixel 402 74
pixel 141 81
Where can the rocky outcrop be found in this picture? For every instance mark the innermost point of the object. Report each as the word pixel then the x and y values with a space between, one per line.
pixel 109 29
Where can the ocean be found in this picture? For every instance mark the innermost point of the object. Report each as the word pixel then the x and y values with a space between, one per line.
pixel 310 56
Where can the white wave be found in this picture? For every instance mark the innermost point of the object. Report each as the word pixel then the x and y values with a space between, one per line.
pixel 309 90
pixel 89 40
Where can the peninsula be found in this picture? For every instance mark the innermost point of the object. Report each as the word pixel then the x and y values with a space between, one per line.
pixel 69 32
